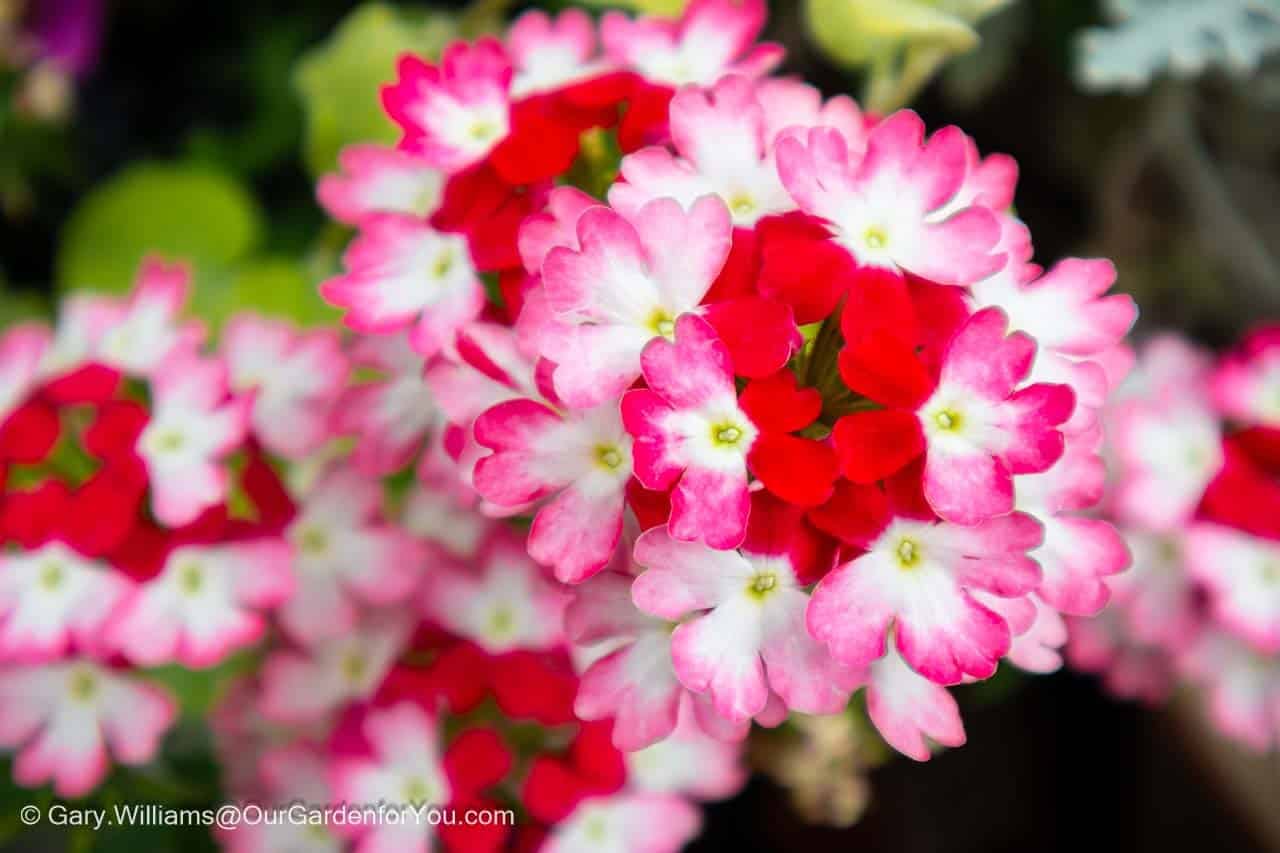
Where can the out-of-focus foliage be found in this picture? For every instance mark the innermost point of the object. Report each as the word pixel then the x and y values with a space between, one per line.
pixel 176 210
pixel 339 80
pixel 274 285
pixel 1182 37
pixel 900 44
pixel 647 7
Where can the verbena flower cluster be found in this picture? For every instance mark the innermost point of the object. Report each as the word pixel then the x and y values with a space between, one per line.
pixel 788 406
pixel 1196 461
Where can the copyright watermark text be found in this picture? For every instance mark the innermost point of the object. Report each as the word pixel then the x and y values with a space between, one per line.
pixel 232 815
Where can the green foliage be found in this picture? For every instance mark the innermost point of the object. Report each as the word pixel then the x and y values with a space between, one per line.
pixel 20 306
pixel 274 285
pixel 900 44
pixel 645 7
pixel 339 81
pixel 179 211
pixel 197 690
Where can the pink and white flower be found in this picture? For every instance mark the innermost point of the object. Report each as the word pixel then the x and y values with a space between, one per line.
pixel 207 602
pixel 402 274
pixel 688 762
pixel 193 427
pixel 51 600
pixel 1079 553
pixel 979 431
pixel 69 720
pixel 631 679
pixel 294 377
pixel 1129 668
pixel 742 631
pixel 906 708
pixel 627 823
pixel 502 604
pixel 145 334
pixel 1157 598
pixel 790 103
pixel 345 555
pixel 287 774
pixel 306 686
pixel 442 521
pixel 551 52
pixel 720 136
pixel 889 210
pixel 1241 574
pixel 455 113
pixel 1243 688
pixel 581 460
pixel 406 769
pixel 690 433
pixel 713 38
pixel 915 583
pixel 1037 647
pixel 392 414
pixel 22 351
pixel 1168 449
pixel 1246 386
pixel 376 180
pixel 1069 314
pixel 627 284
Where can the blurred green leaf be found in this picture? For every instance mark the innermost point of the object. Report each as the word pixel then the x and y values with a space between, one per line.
pixel 198 689
pixel 900 43
pixel 180 211
pixel 275 286
pixel 18 306
pixel 671 8
pixel 339 81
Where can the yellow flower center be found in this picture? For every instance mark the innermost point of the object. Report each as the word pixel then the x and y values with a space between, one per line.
pixel 501 622
pixel 52 574
pixel 313 541
pixel 908 554
pixel 443 264
pixel 83 685
pixel 354 667
pixel 762 584
pixel 608 457
pixel 190 578
pixel 742 204
pixel 169 441
pixel 875 237
pixel 482 130
pixel 662 323
pixel 726 434
pixel 416 790
pixel 949 419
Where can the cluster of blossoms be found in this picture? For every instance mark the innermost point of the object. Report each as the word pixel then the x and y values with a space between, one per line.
pixel 234 510
pixel 1194 445
pixel 789 408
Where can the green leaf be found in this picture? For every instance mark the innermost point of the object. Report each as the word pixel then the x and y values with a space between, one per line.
pixel 274 286
pixel 339 81
pixel 198 689
pixel 21 306
pixel 181 211
pixel 859 32
pixel 670 8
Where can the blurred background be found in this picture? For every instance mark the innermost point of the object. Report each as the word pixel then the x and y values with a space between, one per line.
pixel 1147 131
